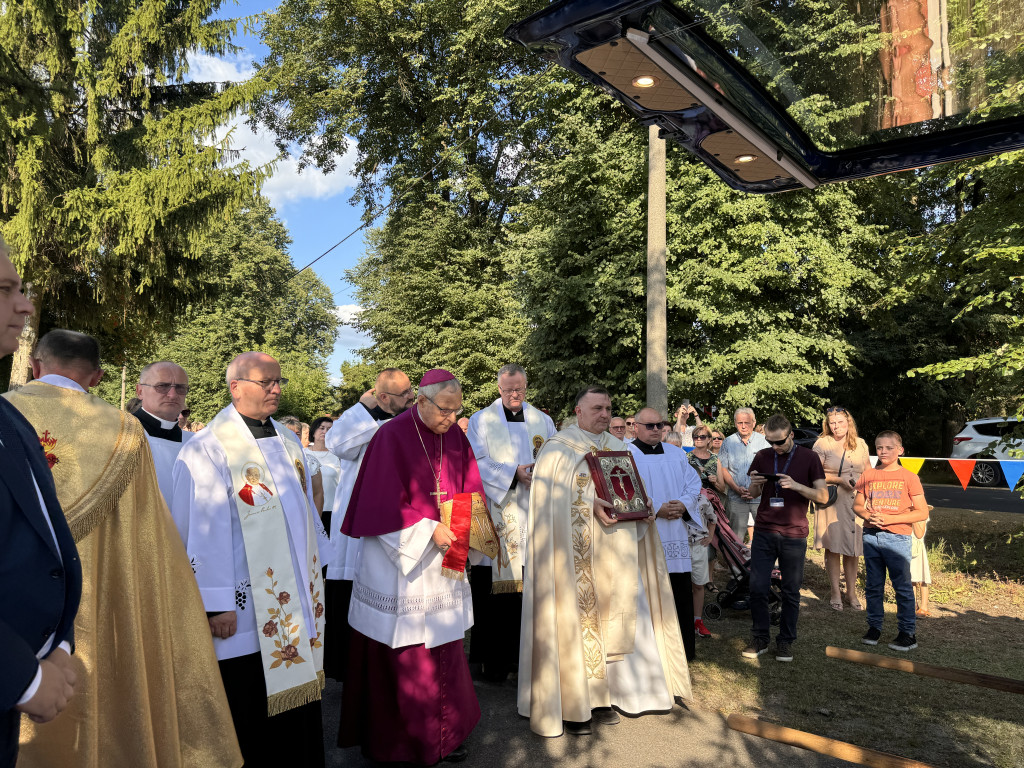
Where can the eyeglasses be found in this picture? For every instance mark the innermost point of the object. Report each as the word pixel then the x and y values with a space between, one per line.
pixel 780 442
pixel 655 425
pixel 406 393
pixel 164 387
pixel 719 438
pixel 836 409
pixel 702 437
pixel 267 384
pixel 445 412
pixel 618 428
pixel 630 423
pixel 512 390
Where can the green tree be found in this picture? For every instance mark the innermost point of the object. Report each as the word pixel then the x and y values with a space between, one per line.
pixel 258 304
pixel 115 176
pixel 444 111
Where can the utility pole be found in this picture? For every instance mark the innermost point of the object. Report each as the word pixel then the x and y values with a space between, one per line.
pixel 657 306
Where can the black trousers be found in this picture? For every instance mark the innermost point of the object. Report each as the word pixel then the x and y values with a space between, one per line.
pixel 10 727
pixel 295 737
pixel 682 594
pixel 496 622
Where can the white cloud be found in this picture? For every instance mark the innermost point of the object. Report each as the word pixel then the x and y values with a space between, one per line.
pixel 286 185
pixel 350 339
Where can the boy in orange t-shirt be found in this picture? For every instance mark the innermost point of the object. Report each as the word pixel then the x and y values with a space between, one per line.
pixel 890 500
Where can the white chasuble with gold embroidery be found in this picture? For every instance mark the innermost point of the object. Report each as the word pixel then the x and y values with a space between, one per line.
pixel 599 624
pixel 500 448
pixel 244 508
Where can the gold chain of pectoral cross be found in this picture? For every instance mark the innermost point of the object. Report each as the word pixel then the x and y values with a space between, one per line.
pixel 438 493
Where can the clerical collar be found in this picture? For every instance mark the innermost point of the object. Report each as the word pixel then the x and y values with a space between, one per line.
pixel 650 450
pixel 156 427
pixel 379 414
pixel 513 418
pixel 259 429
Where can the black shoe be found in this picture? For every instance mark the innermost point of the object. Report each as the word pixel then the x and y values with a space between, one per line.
pixel 457 755
pixel 756 648
pixel 783 651
pixel 904 642
pixel 578 729
pixel 606 716
pixel 872 636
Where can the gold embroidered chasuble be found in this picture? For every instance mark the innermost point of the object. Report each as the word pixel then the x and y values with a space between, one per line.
pixel 583 590
pixel 149 692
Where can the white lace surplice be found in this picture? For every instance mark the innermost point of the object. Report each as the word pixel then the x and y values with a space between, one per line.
pixel 399 596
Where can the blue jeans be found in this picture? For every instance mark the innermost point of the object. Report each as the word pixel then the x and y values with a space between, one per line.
pixel 889 551
pixel 765 549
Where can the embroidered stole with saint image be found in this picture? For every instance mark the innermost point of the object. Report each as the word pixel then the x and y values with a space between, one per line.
pixel 507 568
pixel 292 652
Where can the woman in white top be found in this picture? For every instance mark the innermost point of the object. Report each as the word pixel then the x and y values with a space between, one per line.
pixel 330 466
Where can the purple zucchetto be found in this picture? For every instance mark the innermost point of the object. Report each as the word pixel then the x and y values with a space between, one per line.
pixel 436 376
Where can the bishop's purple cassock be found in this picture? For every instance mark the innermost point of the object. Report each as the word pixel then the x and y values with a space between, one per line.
pixel 408 695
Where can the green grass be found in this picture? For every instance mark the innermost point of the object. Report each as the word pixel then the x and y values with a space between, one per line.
pixel 977 623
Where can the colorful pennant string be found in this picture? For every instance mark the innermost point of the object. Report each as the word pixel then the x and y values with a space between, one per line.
pixel 914 465
pixel 963 469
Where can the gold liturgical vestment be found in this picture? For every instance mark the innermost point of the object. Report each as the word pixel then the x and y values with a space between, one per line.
pixel 584 587
pixel 149 692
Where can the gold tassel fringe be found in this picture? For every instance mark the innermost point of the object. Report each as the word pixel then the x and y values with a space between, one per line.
pixel 294 697
pixel 451 573
pixel 106 495
pixel 506 587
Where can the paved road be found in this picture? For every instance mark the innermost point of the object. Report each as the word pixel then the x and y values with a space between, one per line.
pixel 989 499
pixel 696 739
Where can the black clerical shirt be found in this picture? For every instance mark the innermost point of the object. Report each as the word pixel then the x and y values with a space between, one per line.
pixel 378 413
pixel 153 428
pixel 259 429
pixel 650 450
pixel 515 418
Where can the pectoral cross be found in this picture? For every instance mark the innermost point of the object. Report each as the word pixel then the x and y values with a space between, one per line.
pixel 438 493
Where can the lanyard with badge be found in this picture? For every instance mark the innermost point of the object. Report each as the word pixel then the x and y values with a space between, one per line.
pixel 777 501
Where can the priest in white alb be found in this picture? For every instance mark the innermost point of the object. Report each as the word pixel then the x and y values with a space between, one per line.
pixel 162 388
pixel 506 437
pixel 243 503
pixel 673 487
pixel 348 439
pixel 408 695
pixel 599 625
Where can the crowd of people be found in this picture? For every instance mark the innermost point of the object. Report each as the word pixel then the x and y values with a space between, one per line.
pixel 187 593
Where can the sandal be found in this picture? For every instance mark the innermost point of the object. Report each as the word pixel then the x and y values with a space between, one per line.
pixel 836 605
pixel 922 612
pixel 856 605
pixel 710 587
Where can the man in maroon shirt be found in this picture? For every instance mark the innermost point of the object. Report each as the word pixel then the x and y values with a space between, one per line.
pixel 787 476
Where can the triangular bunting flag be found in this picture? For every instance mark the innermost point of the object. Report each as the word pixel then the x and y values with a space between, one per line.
pixel 914 465
pixel 874 461
pixel 687 448
pixel 963 469
pixel 1012 470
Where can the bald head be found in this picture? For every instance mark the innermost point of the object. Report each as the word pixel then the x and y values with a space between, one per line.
pixel 255 382
pixel 649 435
pixel 162 388
pixel 393 391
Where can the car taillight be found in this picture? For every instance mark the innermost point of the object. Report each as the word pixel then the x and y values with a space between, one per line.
pixel 958 440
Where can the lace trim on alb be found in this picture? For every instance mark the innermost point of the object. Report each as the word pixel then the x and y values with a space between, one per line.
pixel 402 606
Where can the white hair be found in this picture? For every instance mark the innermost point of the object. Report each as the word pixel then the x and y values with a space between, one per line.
pixel 511 369
pixel 431 391
pixel 744 409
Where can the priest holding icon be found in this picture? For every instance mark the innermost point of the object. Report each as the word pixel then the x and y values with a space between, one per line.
pixel 417 505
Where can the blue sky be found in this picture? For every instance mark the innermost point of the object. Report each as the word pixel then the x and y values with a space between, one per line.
pixel 314 207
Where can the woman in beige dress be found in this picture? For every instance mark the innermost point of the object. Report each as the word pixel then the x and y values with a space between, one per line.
pixel 837 529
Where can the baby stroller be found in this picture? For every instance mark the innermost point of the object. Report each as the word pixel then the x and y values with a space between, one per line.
pixel 736 595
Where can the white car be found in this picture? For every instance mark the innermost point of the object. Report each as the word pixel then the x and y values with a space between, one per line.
pixel 982 439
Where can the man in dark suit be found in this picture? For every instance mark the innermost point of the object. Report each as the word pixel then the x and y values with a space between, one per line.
pixel 37 554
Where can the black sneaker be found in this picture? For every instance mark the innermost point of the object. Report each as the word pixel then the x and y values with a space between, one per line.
pixel 756 648
pixel 872 637
pixel 904 642
pixel 783 651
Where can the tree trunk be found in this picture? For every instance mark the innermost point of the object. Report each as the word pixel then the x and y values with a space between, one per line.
pixel 21 367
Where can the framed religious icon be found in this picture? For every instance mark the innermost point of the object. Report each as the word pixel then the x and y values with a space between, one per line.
pixel 618 482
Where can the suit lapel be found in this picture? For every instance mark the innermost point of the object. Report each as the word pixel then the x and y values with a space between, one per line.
pixel 17 469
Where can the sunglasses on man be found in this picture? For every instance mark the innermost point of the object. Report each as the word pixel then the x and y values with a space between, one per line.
pixel 655 425
pixel 780 442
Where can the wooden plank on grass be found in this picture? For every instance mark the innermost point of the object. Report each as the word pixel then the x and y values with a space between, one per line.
pixel 820 744
pixel 927 670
